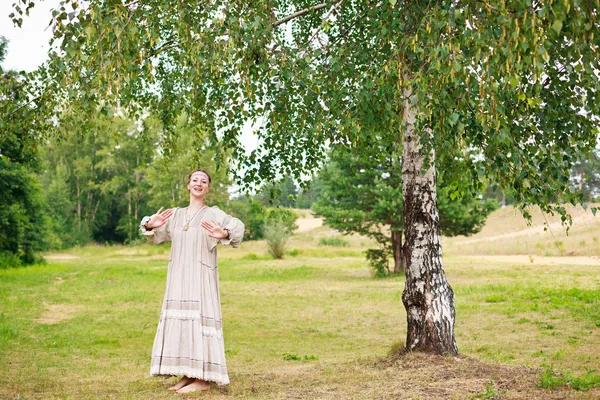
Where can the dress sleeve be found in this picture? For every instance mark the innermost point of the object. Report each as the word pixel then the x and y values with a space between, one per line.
pixel 158 235
pixel 235 226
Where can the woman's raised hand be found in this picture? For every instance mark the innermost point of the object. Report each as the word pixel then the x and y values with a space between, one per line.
pixel 214 230
pixel 159 219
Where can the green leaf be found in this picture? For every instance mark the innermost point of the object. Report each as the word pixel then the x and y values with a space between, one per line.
pixel 557 26
pixel 453 118
pixel 393 2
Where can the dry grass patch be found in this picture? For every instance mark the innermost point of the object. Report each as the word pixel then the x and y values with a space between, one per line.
pixel 61 256
pixel 56 313
pixel 507 232
pixel 401 376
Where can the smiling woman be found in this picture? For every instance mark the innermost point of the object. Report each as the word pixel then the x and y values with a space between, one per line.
pixel 189 338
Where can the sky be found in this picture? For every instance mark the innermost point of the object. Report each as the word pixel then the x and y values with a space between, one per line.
pixel 28 45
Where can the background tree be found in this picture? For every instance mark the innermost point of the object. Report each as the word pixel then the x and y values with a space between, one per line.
pixel 257 217
pixel 309 195
pixel 585 176
pixel 363 194
pixel 23 223
pixel 100 184
pixel 499 78
pixel 167 175
pixel 101 174
pixel 283 193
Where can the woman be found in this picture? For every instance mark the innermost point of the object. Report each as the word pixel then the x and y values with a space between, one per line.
pixel 189 338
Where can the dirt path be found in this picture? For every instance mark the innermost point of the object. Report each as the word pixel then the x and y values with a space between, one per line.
pixel 556 227
pixel 537 260
pixel 307 221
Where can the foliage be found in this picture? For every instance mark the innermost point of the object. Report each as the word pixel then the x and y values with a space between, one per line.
pixel 276 235
pixel 585 176
pixel 379 262
pixel 333 241
pixel 496 78
pixel 189 149
pixel 463 216
pixel 362 193
pixel 309 195
pixel 283 193
pixel 102 181
pixel 23 222
pixel 256 216
pixel 97 189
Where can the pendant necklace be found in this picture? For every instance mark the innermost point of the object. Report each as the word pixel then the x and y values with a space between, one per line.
pixel 187 223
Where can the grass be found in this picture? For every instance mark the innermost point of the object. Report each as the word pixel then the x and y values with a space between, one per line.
pixel 313 325
pixel 553 380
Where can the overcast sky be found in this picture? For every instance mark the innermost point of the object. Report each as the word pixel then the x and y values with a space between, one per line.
pixel 28 45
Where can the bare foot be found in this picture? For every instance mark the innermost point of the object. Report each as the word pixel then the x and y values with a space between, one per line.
pixel 182 382
pixel 196 386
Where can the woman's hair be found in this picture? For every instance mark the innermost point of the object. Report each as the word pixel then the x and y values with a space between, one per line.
pixel 199 170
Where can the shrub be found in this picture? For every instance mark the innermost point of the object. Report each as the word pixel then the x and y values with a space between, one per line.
pixel 334 241
pixel 276 235
pixel 378 261
pixel 255 216
pixel 9 260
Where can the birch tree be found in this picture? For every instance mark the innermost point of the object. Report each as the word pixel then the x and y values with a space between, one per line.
pixel 515 81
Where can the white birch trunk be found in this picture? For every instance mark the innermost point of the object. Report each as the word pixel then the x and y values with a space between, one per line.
pixel 427 296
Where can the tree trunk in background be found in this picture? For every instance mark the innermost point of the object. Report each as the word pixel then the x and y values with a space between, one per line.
pixel 397 248
pixel 130 223
pixel 78 204
pixel 427 296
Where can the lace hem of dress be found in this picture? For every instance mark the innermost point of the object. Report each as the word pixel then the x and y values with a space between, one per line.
pixel 218 378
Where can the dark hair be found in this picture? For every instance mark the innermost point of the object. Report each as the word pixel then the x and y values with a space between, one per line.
pixel 199 170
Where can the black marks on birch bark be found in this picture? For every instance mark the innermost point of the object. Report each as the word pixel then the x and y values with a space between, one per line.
pixel 427 296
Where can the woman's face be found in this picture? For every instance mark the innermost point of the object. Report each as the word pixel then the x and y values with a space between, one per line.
pixel 199 184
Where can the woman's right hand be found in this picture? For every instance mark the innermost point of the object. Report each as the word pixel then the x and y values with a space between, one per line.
pixel 159 219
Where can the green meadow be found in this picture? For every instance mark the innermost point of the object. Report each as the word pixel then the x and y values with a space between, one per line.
pixel 315 325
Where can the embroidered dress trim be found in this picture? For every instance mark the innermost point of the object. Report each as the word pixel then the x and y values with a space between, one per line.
pixel 219 377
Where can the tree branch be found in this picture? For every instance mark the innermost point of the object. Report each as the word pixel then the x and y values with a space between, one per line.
pixel 131 3
pixel 298 14
pixel 316 32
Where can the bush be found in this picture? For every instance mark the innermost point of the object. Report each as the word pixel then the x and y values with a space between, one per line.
pixel 378 261
pixel 8 260
pixel 255 216
pixel 336 242
pixel 276 235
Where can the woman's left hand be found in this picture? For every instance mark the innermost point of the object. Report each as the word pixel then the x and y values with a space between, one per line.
pixel 214 230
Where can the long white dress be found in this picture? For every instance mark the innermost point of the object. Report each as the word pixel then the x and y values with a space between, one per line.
pixel 189 338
